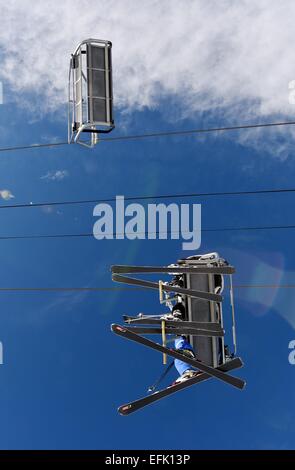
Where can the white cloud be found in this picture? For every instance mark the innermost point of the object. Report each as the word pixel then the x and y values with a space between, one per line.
pixel 6 194
pixel 234 58
pixel 58 175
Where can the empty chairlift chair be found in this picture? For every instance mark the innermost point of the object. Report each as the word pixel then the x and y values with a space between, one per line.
pixel 90 92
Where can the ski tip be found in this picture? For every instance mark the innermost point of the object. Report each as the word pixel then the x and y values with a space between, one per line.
pixel 117 268
pixel 241 363
pixel 124 410
pixel 242 384
pixel 117 277
pixel 117 328
pixel 230 269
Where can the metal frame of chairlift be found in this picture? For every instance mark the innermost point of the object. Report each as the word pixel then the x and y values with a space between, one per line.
pixel 81 114
pixel 205 331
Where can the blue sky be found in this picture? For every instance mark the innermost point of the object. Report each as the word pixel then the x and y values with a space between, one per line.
pixel 64 373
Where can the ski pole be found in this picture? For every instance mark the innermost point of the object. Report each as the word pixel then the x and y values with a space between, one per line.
pixel 153 387
pixel 164 341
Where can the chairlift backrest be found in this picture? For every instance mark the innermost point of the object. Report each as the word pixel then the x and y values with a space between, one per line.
pixel 209 350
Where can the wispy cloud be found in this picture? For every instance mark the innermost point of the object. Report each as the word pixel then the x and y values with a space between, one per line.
pixel 230 58
pixel 6 194
pixel 58 175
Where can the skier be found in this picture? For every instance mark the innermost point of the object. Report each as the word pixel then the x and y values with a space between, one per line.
pixel 185 370
pixel 182 345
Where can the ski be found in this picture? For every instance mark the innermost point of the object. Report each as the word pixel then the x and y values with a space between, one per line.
pixel 124 332
pixel 177 323
pixel 121 269
pixel 166 287
pixel 175 331
pixel 136 405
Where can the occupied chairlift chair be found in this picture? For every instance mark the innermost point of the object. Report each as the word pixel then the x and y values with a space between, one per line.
pixel 197 284
pixel 210 350
pixel 90 109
